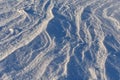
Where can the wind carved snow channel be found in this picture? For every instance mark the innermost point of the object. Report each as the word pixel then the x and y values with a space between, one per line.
pixel 59 40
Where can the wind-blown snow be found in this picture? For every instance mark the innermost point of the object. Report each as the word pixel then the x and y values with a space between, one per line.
pixel 59 40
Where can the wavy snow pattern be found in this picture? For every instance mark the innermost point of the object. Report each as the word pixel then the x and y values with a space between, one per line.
pixel 59 40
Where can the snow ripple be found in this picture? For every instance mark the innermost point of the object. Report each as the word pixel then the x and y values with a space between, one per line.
pixel 59 39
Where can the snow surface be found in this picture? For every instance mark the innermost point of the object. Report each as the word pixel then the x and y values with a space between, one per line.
pixel 59 39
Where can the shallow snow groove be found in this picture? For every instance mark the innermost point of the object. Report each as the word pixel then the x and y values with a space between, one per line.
pixel 59 40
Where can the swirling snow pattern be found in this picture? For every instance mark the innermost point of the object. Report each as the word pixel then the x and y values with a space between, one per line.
pixel 59 39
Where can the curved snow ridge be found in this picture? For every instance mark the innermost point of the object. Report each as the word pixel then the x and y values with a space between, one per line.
pixel 59 40
pixel 26 39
